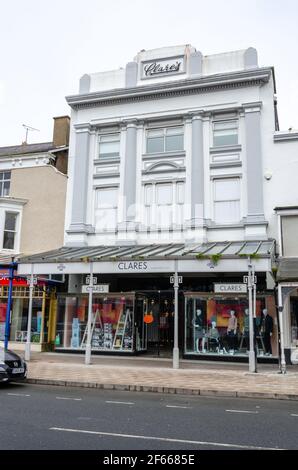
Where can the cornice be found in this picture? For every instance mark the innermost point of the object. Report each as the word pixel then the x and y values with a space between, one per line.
pixel 240 79
pixel 13 200
pixel 285 136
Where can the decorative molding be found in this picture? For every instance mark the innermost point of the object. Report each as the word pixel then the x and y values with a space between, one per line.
pixel 106 175
pixel 170 170
pixel 163 155
pixel 225 149
pixel 81 228
pixel 252 107
pixel 155 91
pixel 172 166
pixel 285 136
pixel 13 200
pixel 106 161
pixel 226 164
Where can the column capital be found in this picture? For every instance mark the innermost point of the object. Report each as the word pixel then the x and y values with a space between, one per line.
pixel 129 123
pixel 254 107
pixel 83 127
pixel 193 115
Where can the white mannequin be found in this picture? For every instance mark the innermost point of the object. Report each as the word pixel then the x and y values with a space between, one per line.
pixel 212 333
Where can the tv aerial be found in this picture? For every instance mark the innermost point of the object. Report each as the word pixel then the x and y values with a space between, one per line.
pixel 28 128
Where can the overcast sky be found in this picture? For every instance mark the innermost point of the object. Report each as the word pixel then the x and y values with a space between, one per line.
pixel 46 46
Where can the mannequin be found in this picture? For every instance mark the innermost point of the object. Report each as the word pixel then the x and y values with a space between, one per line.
pixel 267 331
pixel 164 322
pixel 246 322
pixel 232 331
pixel 212 337
pixel 152 328
pixel 198 330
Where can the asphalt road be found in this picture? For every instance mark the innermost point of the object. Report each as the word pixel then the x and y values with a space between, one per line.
pixel 34 417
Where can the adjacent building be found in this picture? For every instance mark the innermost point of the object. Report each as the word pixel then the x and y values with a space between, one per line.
pixel 33 180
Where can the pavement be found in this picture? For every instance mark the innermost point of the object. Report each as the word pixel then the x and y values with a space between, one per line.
pixel 144 374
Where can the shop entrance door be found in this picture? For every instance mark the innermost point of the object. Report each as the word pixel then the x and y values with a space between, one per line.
pixel 158 333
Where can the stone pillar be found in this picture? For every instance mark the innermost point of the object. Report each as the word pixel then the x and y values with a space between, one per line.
pixel 197 171
pixel 255 201
pixel 130 166
pixel 80 182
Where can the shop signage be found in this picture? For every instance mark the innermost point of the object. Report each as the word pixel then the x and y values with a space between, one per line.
pixel 162 67
pixel 138 266
pixel 98 288
pixel 230 288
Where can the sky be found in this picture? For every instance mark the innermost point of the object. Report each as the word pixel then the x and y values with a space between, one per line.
pixel 46 46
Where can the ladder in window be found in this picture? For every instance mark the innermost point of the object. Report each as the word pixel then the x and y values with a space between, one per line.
pixel 95 319
pixel 123 320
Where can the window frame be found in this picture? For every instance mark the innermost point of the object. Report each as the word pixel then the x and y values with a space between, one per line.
pixel 112 208
pixel 111 155
pixel 214 201
pixel 225 121
pixel 164 134
pixel 15 231
pixel 3 180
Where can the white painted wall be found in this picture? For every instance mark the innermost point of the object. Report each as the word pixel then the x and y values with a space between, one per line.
pixel 280 159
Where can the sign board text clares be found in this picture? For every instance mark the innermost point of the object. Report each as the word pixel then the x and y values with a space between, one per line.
pixel 230 288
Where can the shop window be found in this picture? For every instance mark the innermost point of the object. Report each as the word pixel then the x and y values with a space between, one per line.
pixel 165 140
pixel 217 325
pixel 106 208
pixel 5 177
pixel 289 226
pixel 225 133
pixel 226 194
pixel 9 234
pixel 109 146
pixel 111 326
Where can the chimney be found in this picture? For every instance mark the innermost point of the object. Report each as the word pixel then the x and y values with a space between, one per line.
pixel 61 131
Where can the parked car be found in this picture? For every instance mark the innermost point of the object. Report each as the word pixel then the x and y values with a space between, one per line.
pixel 12 367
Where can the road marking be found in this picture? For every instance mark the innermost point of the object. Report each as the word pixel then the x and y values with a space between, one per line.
pixel 18 395
pixel 243 411
pixel 68 398
pixel 293 414
pixel 165 439
pixel 178 406
pixel 120 402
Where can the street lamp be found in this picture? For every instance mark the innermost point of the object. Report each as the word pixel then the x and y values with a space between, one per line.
pixel 251 281
pixel 11 268
pixel 176 280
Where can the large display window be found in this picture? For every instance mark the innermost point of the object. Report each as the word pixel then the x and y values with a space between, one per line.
pixel 20 311
pixel 219 325
pixel 111 325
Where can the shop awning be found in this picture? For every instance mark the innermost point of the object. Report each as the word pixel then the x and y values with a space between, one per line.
pixel 235 249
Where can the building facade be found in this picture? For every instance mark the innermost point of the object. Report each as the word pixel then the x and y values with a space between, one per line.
pixel 33 180
pixel 168 171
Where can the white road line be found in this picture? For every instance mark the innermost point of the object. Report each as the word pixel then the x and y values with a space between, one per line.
pixel 68 398
pixel 243 411
pixel 293 414
pixel 165 439
pixel 18 395
pixel 120 402
pixel 178 406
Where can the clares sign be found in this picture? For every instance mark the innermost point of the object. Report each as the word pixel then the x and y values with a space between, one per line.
pixel 230 288
pixel 162 67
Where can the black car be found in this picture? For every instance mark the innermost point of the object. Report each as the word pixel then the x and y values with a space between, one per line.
pixel 12 367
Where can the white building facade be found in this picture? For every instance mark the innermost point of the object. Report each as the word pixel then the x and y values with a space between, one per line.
pixel 171 168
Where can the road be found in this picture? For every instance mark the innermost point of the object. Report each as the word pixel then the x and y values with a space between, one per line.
pixel 47 417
